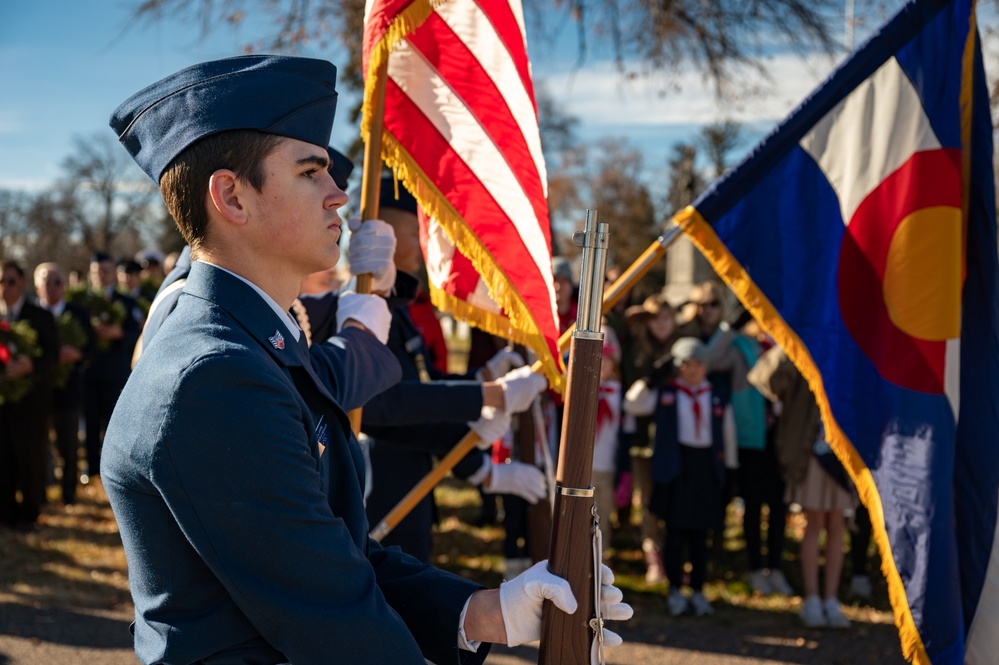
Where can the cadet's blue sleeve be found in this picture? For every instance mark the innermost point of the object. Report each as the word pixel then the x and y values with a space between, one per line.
pixel 414 403
pixel 355 367
pixel 430 617
pixel 234 465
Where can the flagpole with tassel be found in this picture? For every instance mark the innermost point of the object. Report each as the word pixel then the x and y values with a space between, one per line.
pixel 370 186
pixel 635 272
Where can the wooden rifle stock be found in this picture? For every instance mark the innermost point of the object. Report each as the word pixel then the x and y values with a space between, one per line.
pixel 567 638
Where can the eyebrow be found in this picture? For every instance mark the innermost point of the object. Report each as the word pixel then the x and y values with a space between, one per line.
pixel 322 162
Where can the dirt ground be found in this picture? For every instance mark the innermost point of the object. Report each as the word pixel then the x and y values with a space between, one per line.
pixel 64 601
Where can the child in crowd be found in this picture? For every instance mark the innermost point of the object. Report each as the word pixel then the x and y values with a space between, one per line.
pixel 688 467
pixel 653 324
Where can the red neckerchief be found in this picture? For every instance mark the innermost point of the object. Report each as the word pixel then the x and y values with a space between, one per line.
pixel 604 411
pixel 693 394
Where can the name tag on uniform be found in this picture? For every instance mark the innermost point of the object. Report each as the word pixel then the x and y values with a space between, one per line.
pixel 322 434
pixel 667 399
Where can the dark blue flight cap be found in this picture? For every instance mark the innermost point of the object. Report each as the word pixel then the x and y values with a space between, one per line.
pixel 340 167
pixel 287 96
pixel 387 198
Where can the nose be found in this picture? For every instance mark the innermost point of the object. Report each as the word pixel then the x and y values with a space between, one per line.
pixel 336 198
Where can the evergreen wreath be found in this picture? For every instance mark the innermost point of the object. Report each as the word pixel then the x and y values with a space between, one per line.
pixel 16 339
pixel 71 333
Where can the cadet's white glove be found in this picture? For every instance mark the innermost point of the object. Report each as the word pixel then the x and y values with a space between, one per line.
pixel 491 425
pixel 611 607
pixel 502 362
pixel 372 312
pixel 525 480
pixel 372 250
pixel 522 597
pixel 520 387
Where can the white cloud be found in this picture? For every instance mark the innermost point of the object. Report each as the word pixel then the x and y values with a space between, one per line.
pixel 601 95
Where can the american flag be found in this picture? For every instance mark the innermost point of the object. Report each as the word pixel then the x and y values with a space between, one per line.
pixel 460 130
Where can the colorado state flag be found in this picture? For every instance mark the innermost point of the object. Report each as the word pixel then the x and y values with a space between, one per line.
pixel 862 234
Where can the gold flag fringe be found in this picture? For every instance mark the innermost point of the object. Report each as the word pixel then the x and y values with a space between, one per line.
pixel 733 274
pixel 524 328
pixel 406 22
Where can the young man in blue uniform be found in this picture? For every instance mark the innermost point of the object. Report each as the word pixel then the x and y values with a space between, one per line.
pixel 229 460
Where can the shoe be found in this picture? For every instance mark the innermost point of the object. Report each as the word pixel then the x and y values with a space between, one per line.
pixel 676 602
pixel 654 572
pixel 811 613
pixel 834 617
pixel 759 581
pixel 701 605
pixel 860 586
pixel 779 583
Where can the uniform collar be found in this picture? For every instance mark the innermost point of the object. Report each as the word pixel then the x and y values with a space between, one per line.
pixel 249 308
pixel 290 323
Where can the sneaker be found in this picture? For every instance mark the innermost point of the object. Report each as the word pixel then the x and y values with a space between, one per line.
pixel 701 605
pixel 860 586
pixel 758 581
pixel 676 602
pixel 834 617
pixel 811 613
pixel 779 583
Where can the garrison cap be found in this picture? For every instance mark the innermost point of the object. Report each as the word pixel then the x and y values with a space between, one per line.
pixel 388 199
pixel 340 167
pixel 283 95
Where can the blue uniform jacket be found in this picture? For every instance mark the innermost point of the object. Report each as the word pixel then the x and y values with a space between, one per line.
pixel 245 542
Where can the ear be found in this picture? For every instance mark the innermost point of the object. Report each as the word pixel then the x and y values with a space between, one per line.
pixel 227 196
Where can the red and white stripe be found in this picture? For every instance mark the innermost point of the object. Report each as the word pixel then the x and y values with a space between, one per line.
pixel 460 129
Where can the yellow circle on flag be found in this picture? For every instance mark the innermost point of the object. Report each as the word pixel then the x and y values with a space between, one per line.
pixel 922 281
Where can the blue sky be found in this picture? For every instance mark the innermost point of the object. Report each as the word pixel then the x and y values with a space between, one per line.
pixel 65 65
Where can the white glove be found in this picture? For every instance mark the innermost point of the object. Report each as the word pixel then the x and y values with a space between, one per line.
pixel 372 250
pixel 491 425
pixel 372 312
pixel 503 362
pixel 640 400
pixel 522 597
pixel 611 607
pixel 525 480
pixel 520 387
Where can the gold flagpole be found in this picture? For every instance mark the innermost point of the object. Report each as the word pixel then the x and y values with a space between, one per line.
pixel 370 185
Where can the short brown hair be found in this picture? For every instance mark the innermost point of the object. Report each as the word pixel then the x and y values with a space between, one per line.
pixel 184 184
pixel 9 264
